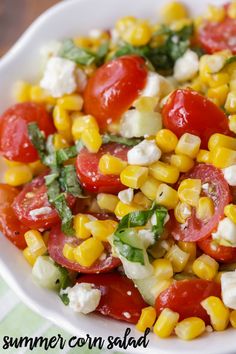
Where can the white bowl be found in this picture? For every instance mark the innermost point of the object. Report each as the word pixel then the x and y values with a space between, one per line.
pixel 22 62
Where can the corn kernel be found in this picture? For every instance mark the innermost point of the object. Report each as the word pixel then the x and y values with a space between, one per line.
pixel 178 258
pixel 182 162
pixel 21 91
pixel 147 318
pixel 111 165
pixel 71 102
pixel 145 104
pixel 222 157
pixel 232 85
pixel 88 251
pixel 230 212
pixel 189 145
pixel 232 123
pixel 62 121
pixel 123 209
pixel 161 285
pixel 37 94
pixel 231 10
pixel 35 242
pixel 167 196
pixel 82 123
pixel 59 142
pixel 133 31
pixel 182 212
pixel 134 176
pixel 203 156
pixel 101 229
pixel 166 323
pixel 220 140
pixel 190 328
pixel 190 248
pixel 205 208
pixel 205 267
pixel 218 312
pixel 91 139
pixel 37 167
pixel 79 222
pixel 18 175
pixel 142 200
pixel 230 104
pixel 149 188
pixel 215 13
pixel 166 140
pixel 107 201
pixel 164 172
pixel 218 83
pixel 163 269
pixel 232 318
pixel 68 252
pixel 189 191
pixel 10 163
pixel 29 256
pixel 174 11
pixel 219 92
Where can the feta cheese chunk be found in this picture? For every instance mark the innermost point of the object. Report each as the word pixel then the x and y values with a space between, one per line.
pixel 59 77
pixel 186 67
pixel 228 288
pixel 226 232
pixel 83 297
pixel 126 196
pixel 147 237
pixel 145 153
pixel 156 86
pixel 230 175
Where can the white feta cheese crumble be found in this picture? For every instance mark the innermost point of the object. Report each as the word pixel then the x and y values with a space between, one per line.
pixel 228 287
pixel 186 67
pixel 83 297
pixel 126 196
pixel 156 86
pixel 230 175
pixel 59 77
pixel 40 211
pixel 145 153
pixel 147 237
pixel 226 232
pixel 154 219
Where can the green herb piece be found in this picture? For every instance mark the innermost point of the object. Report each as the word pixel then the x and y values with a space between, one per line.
pixel 65 154
pixel 65 214
pixel 53 190
pixel 130 253
pixel 79 55
pixel 65 282
pixel 38 139
pixel 109 138
pixel 69 181
pixel 79 145
pixel 158 227
pixel 102 53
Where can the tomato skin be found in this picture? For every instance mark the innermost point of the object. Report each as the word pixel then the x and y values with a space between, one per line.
pixel 114 87
pixel 87 169
pixel 220 253
pixel 195 229
pixel 15 144
pixel 186 111
pixel 185 297
pixel 34 196
pixel 10 226
pixel 115 300
pixel 56 243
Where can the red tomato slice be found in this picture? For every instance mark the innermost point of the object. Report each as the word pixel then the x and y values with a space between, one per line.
pixel 14 140
pixel 56 243
pixel 87 169
pixel 185 297
pixel 181 115
pixel 114 87
pixel 10 226
pixel 195 229
pixel 220 253
pixel 120 299
pixel 33 197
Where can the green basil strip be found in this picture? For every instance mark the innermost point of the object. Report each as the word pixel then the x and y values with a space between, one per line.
pixel 65 154
pixel 158 228
pixel 69 181
pixel 109 138
pixel 38 139
pixel 102 53
pixel 65 214
pixel 130 253
pixel 79 55
pixel 53 189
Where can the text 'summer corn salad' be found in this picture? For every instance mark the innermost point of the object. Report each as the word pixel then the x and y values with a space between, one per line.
pixel 121 177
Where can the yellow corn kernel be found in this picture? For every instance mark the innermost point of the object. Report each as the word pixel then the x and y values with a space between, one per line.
pixel 230 104
pixel 10 163
pixel 162 285
pixel 205 208
pixel 145 104
pixel 140 34
pixel 219 92
pixel 147 319
pixel 29 256
pixel 37 167
pixel 134 176
pixel 189 191
pixel 68 252
pixel 166 140
pixel 124 23
pixel 82 123
pixel 179 24
pixel 62 121
pixel 123 209
pixel 59 142
pixel 163 269
pixel 142 200
pixel 164 172
pixel 167 196
pixel 101 229
pixel 190 328
pixel 189 267
pixel 230 212
pixel 219 82
pixel 91 139
pixel 231 10
pixel 18 175
pixel 83 42
pixel 232 318
pixel 215 13
pixel 79 222
pixel 205 267
pixel 88 251
pixel 182 212
pixel 35 242
pixel 232 85
pixel 189 145
pixel 218 312
pixel 232 123
pixel 166 323
pixel 149 188
pixel 71 102
pixel 222 157
pixel 221 140
pixel 182 162
pixel 190 248
pixel 211 65
pixel 178 258
pixel 203 156
pixel 111 165
pixel 107 201
pixel 21 91
pixel 173 11
pixel 39 95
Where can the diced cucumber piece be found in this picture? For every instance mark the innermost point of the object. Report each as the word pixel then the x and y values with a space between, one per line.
pixel 148 289
pixel 46 273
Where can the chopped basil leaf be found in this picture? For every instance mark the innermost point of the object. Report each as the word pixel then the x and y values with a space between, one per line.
pixel 38 139
pixel 79 145
pixel 132 254
pixel 64 298
pixel 51 178
pixel 79 55
pixel 102 53
pixel 109 138
pixel 69 181
pixel 65 214
pixel 66 154
pixel 53 190
pixel 160 214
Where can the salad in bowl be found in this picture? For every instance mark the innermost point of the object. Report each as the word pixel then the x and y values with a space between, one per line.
pixel 120 179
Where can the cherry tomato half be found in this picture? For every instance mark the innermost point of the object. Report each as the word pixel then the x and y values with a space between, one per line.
pixel 87 169
pixel 114 87
pixel 31 199
pixel 186 111
pixel 120 299
pixel 194 229
pixel 14 140
pixel 10 226
pixel 219 253
pixel 185 297
pixel 56 243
